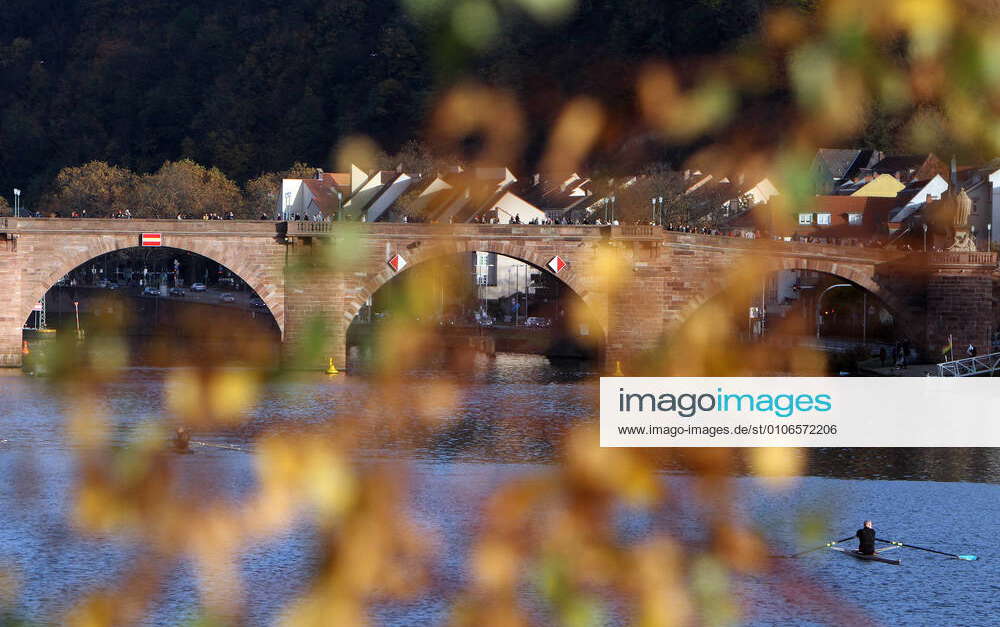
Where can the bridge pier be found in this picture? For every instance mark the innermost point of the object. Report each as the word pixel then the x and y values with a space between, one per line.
pixel 10 349
pixel 316 316
pixel 10 299
pixel 637 314
pixel 960 302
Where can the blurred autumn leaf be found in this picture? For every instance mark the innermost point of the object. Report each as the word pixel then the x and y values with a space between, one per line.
pixel 933 63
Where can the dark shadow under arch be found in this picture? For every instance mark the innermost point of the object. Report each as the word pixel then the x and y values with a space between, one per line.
pixel 424 253
pixel 906 322
pixel 217 253
pixel 575 332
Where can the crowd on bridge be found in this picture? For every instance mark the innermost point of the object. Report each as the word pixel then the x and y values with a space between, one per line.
pixel 675 227
pixel 229 215
pixel 126 214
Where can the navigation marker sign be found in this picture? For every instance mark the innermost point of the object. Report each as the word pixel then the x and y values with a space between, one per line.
pixel 557 264
pixel 397 263
pixel 152 239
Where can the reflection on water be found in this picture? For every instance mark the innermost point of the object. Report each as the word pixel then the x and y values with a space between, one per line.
pixel 918 464
pixel 505 417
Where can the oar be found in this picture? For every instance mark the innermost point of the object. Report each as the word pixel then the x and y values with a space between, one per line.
pixel 228 447
pixel 920 548
pixel 827 545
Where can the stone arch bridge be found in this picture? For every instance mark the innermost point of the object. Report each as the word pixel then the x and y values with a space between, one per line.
pixel 639 281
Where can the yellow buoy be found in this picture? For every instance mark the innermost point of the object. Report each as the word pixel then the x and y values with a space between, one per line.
pixel 618 369
pixel 332 369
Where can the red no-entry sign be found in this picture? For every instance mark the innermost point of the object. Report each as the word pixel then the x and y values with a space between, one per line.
pixel 152 239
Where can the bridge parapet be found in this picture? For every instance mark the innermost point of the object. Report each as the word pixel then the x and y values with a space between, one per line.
pixel 779 249
pixel 968 259
pixel 298 229
pixel 639 231
pixel 137 226
pixel 425 230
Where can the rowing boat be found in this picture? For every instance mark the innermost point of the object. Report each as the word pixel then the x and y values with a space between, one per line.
pixel 878 557
pixel 871 558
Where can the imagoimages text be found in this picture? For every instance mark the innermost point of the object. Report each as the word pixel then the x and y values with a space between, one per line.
pixel 689 404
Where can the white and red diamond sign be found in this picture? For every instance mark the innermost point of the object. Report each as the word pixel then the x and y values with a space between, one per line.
pixel 152 239
pixel 397 263
pixel 557 264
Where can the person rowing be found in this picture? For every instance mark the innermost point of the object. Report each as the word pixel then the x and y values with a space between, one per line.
pixel 866 547
pixel 866 539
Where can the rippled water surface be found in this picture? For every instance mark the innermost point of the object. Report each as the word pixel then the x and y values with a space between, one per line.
pixel 507 421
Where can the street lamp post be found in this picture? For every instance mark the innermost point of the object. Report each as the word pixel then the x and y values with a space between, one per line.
pixel 512 294
pixel 819 303
pixel 925 237
pixel 864 318
pixel 17 203
pixel 526 288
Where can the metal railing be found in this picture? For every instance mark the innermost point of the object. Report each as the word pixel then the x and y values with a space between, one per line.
pixel 970 366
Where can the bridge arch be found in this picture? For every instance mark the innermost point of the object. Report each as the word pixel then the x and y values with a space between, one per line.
pixel 75 253
pixel 862 276
pixel 570 276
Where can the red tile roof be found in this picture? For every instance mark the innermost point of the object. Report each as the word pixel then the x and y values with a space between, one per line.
pixel 325 197
pixel 340 179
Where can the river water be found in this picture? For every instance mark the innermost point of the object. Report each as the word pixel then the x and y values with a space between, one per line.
pixel 508 423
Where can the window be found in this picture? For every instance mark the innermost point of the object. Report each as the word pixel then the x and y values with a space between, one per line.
pixel 485 268
pixel 823 218
pixel 854 218
pixel 805 218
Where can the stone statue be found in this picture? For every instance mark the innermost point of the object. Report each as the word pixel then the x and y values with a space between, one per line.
pixel 964 242
pixel 963 207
